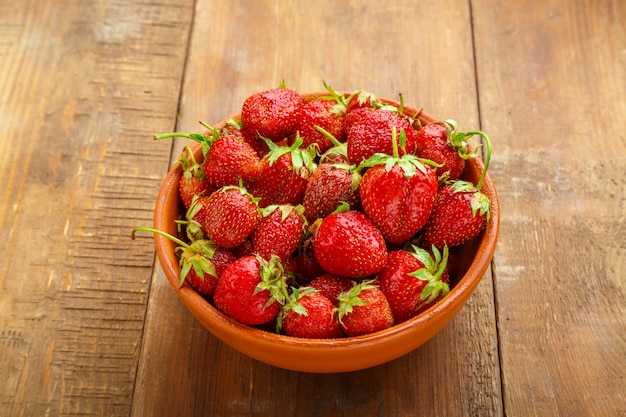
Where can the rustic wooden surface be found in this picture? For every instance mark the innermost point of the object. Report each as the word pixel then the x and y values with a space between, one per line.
pixel 88 322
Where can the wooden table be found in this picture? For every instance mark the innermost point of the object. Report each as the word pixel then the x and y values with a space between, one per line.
pixel 90 326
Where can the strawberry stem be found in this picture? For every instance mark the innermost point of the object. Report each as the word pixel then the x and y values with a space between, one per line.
pixel 159 232
pixel 487 155
pixel 394 142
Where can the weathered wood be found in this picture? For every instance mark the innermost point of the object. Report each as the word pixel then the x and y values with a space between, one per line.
pixel 552 77
pixel 83 85
pixel 240 47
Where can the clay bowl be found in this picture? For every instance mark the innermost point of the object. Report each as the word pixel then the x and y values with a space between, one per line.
pixel 336 355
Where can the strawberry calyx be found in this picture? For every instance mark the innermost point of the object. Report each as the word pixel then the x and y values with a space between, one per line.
pixel 300 158
pixel 479 202
pixel 196 255
pixel 368 99
pixel 273 277
pixel 243 190
pixel 408 162
pixel 340 100
pixel 292 304
pixel 193 228
pixel 191 168
pixel 434 266
pixel 349 299
pixel 285 211
pixel 459 141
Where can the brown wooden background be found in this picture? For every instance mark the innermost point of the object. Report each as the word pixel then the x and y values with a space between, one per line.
pixel 88 322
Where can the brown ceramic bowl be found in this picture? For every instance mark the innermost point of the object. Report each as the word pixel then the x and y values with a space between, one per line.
pixel 330 355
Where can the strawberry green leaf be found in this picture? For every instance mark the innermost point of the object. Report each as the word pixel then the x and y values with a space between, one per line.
pixel 480 204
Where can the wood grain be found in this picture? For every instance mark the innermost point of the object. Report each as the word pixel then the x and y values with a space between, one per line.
pixel 241 47
pixel 83 86
pixel 90 326
pixel 552 77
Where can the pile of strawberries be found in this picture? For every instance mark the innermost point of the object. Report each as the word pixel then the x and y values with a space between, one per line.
pixel 328 217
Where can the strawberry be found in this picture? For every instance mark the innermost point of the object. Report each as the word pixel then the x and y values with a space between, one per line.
pixel 348 244
pixel 193 182
pixel 461 211
pixel 413 281
pixel 442 143
pixel 273 114
pixel 251 290
pixel 235 127
pixel 229 160
pixel 460 214
pixel 309 314
pixel 284 174
pixel 324 113
pixel 202 262
pixel 279 232
pixel 369 132
pixel 330 185
pixel 220 260
pixel 331 286
pixel 398 193
pixel 364 309
pixel 229 216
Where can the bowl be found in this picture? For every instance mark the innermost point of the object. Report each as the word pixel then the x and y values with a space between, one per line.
pixel 329 355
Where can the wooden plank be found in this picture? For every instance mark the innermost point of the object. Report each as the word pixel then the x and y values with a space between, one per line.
pixel 552 77
pixel 241 47
pixel 83 85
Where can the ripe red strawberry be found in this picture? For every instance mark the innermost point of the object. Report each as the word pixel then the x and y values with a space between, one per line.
pixel 398 194
pixel 461 211
pixel 330 185
pixel 369 133
pixel 228 216
pixel 230 160
pixel 413 281
pixel 251 290
pixel 235 127
pixel 364 309
pixel 348 244
pixel 442 143
pixel 273 114
pixel 202 262
pixel 309 314
pixel 284 174
pixel 193 182
pixel 205 284
pixel 279 232
pixel 326 114
pixel 331 286
pixel 460 214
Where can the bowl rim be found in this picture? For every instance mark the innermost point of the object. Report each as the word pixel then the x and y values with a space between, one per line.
pixel 219 323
